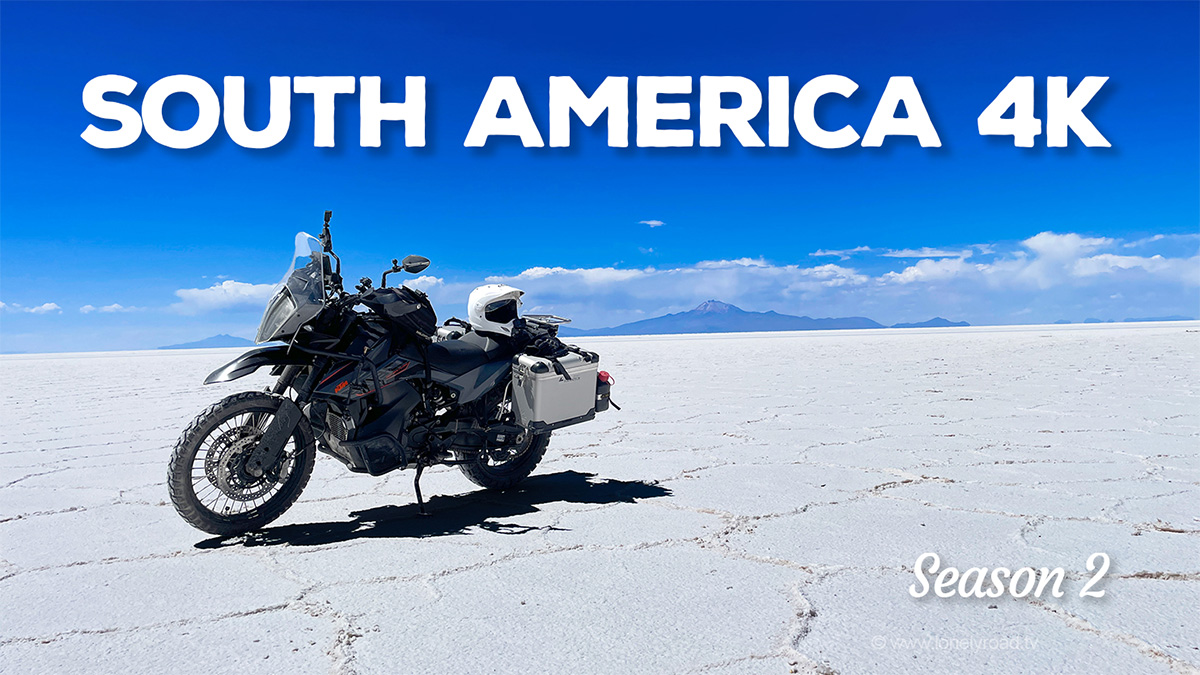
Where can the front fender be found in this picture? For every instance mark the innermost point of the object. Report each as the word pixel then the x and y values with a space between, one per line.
pixel 254 359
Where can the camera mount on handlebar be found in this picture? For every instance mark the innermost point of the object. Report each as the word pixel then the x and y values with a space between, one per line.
pixel 326 240
pixel 335 281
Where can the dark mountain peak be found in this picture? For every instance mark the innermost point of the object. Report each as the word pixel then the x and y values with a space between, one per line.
pixel 716 307
pixel 1174 317
pixel 935 322
pixel 216 341
pixel 714 316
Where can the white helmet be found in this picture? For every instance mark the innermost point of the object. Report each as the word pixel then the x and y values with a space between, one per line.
pixel 493 308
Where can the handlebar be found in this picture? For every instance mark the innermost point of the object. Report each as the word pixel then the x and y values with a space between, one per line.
pixel 395 268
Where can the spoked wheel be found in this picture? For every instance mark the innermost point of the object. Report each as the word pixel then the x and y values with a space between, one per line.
pixel 503 467
pixel 208 480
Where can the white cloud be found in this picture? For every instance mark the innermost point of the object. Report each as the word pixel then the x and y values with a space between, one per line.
pixel 843 254
pixel 926 252
pixel 1051 260
pixel 1055 246
pixel 45 308
pixel 1192 238
pixel 1048 259
pixel 109 309
pixel 424 283
pixel 1063 258
pixel 651 223
pixel 831 275
pixel 594 275
pixel 739 262
pixel 1145 240
pixel 932 270
pixel 1107 263
pixel 228 294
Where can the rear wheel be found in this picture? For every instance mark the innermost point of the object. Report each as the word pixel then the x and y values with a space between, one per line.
pixel 207 479
pixel 502 468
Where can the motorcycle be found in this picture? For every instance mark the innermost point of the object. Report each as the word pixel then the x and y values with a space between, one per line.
pixel 370 379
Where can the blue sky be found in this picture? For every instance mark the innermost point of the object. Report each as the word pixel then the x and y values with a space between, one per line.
pixel 171 245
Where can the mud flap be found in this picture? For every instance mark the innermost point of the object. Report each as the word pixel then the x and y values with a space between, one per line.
pixel 270 448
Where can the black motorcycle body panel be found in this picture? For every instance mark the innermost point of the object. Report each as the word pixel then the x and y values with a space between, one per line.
pixel 378 446
pixel 366 407
pixel 473 384
pixel 470 366
pixel 267 355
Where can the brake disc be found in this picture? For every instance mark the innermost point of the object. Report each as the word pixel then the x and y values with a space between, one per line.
pixel 212 459
pixel 231 478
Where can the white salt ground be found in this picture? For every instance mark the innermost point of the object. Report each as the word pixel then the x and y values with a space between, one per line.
pixel 756 507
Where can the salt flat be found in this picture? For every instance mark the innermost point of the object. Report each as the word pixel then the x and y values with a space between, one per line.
pixel 756 507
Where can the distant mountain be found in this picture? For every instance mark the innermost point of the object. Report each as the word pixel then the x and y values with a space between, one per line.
pixel 1162 318
pixel 713 316
pixel 935 322
pixel 213 343
pixel 1173 317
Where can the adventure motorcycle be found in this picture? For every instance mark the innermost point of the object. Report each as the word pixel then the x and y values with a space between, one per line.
pixel 379 388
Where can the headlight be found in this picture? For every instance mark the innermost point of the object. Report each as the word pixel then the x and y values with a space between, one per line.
pixel 279 309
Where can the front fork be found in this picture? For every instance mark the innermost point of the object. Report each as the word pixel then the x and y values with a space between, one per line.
pixel 286 378
pixel 269 449
pixel 289 375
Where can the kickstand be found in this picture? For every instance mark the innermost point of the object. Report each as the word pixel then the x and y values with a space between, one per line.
pixel 417 487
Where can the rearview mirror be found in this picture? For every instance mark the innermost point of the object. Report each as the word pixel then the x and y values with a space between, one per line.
pixel 415 264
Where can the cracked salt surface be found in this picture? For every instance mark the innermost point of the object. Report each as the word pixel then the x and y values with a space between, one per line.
pixel 756 507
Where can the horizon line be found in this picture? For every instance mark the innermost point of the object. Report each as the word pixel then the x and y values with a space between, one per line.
pixel 970 328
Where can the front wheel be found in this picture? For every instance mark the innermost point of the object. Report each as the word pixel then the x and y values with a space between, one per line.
pixel 502 468
pixel 207 479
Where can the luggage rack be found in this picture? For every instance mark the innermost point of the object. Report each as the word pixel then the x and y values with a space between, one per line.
pixel 546 319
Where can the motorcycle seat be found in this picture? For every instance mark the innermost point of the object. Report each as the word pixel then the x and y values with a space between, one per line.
pixel 457 356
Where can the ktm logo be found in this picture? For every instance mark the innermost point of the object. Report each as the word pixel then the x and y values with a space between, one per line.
pixel 341 386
